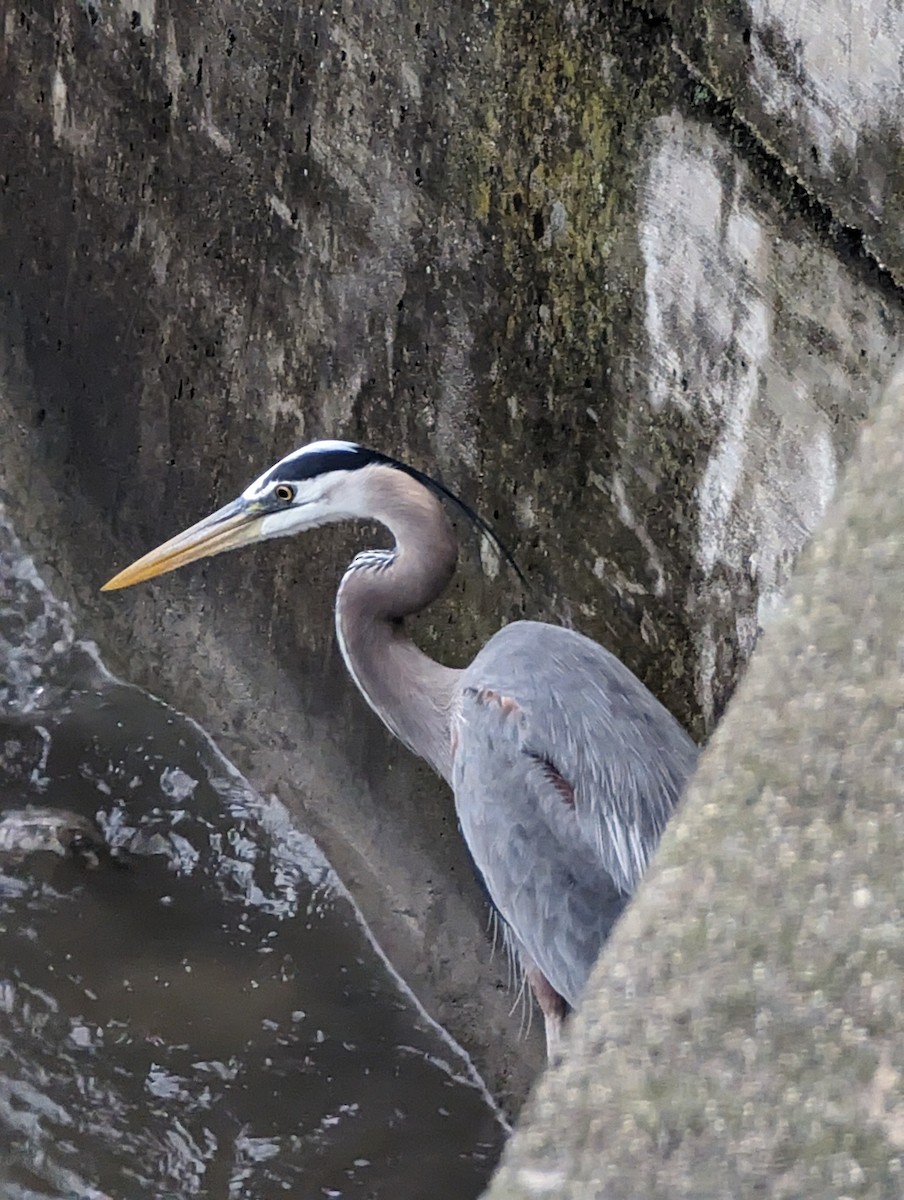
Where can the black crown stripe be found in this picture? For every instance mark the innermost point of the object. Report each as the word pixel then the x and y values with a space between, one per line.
pixel 311 463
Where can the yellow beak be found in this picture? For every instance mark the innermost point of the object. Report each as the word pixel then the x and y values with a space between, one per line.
pixel 236 524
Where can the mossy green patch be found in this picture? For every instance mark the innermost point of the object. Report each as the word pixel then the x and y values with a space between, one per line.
pixel 550 175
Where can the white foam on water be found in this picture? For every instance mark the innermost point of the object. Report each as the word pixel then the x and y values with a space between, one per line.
pixel 39 640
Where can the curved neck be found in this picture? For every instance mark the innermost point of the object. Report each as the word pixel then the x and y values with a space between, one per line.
pixel 410 692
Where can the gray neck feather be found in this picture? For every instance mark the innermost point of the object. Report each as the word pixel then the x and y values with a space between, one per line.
pixel 412 694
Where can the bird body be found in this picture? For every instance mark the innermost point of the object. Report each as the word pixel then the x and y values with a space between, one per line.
pixel 563 766
pixel 560 826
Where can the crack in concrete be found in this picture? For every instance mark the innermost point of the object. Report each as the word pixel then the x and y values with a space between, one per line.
pixel 769 166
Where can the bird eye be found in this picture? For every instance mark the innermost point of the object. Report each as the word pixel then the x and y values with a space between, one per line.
pixel 284 492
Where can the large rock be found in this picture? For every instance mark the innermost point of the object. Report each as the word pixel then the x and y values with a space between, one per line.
pixel 517 247
pixel 742 1033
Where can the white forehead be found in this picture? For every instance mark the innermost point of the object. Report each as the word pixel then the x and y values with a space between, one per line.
pixel 262 483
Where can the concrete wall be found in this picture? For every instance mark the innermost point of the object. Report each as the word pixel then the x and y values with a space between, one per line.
pixel 532 249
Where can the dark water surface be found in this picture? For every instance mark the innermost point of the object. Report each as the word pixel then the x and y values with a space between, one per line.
pixel 212 1018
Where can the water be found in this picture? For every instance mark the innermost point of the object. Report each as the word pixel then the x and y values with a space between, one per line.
pixel 211 1018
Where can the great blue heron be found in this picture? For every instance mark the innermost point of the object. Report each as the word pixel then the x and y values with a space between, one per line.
pixel 564 767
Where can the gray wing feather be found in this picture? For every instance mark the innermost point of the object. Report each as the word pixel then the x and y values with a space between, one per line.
pixel 539 706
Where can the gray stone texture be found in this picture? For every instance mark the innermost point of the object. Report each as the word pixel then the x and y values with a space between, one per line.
pixel 742 1033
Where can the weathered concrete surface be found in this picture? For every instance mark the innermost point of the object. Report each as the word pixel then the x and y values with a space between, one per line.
pixel 755 332
pixel 514 246
pixel 754 1046
pixel 819 83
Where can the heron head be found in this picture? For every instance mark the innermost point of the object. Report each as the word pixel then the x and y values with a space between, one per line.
pixel 317 484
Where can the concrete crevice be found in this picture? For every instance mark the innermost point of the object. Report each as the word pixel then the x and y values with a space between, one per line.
pixel 506 245
pixel 771 167
pixel 774 170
